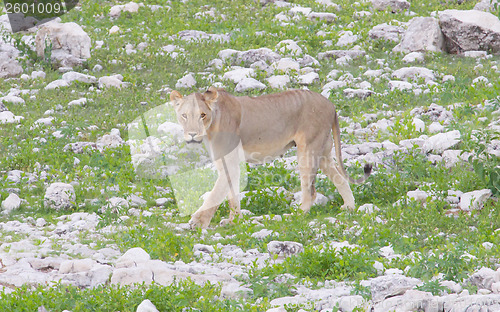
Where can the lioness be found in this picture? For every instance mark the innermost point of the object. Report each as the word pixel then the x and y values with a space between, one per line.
pixel 267 126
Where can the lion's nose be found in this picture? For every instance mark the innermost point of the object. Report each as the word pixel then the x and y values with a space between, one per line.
pixel 192 134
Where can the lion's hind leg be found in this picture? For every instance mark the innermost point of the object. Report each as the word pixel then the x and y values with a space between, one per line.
pixel 308 168
pixel 329 167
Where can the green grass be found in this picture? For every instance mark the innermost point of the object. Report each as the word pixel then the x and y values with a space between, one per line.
pixel 428 240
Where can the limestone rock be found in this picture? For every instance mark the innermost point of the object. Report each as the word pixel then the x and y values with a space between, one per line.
pixel 71 76
pixel 12 202
pixel 423 34
pixel 474 200
pixel 70 43
pixel 249 84
pixel 470 30
pixel 9 66
pixel 113 81
pixel 394 5
pixel 386 32
pixel 278 81
pixel 414 73
pixel 391 285
pixel 116 10
pixel 238 74
pixel 146 306
pixel 442 141
pixel 187 81
pixel 59 196
pixel 284 248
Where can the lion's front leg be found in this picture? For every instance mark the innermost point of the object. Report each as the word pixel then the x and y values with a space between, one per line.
pixel 224 186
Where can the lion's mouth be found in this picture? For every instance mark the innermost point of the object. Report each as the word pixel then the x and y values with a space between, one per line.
pixel 193 141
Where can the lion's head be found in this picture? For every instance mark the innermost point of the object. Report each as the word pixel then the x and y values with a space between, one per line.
pixel 194 113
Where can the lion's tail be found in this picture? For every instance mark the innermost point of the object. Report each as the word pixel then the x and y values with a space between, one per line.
pixel 338 154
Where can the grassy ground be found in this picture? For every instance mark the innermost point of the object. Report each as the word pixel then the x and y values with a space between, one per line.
pixel 429 241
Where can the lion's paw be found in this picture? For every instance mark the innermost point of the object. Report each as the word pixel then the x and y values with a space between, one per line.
pixel 225 222
pixel 348 207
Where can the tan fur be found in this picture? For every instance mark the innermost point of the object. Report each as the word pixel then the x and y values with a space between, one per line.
pixel 268 126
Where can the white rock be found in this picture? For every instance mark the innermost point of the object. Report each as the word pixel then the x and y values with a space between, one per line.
pixel 235 291
pixel 411 298
pixel 115 202
pixel 386 32
pixel 38 75
pixel 423 34
pixel 400 85
pixel 335 84
pixel 262 234
pixel 9 117
pixel 59 196
pixel 131 257
pixel 79 102
pixel 253 55
pixel 12 99
pixel 113 81
pixel 146 306
pixel 69 42
pixel 418 195
pixel 486 5
pixel 349 303
pixel 368 208
pixel 71 76
pixel 187 81
pixel 413 57
pixel 346 38
pixel 278 81
pixel 59 83
pixel 414 73
pixel 289 47
pixel 359 93
pixel 495 288
pixel 286 65
pixel 419 124
pixel 391 285
pixel 204 248
pixel 484 278
pixel 111 140
pixel 470 30
pixel 435 127
pixel 440 142
pixel 322 16
pixel 308 78
pixel 9 66
pixel 395 5
pixel 115 29
pixel 448 78
pixel 476 54
pixel 284 248
pixel 238 74
pixel 474 200
pixel 12 202
pixel 249 84
pixel 116 10
pixel 76 266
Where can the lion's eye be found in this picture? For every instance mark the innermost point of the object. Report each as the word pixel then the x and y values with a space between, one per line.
pixel 203 115
pixel 184 116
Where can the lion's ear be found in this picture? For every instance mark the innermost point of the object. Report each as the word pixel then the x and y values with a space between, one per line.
pixel 210 96
pixel 175 95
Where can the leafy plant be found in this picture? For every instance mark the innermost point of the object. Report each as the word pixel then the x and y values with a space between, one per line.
pixel 485 164
pixel 433 287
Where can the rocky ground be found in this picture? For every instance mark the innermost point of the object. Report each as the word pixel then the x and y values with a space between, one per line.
pixel 416 87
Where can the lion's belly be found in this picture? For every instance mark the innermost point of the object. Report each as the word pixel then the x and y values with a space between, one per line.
pixel 265 153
